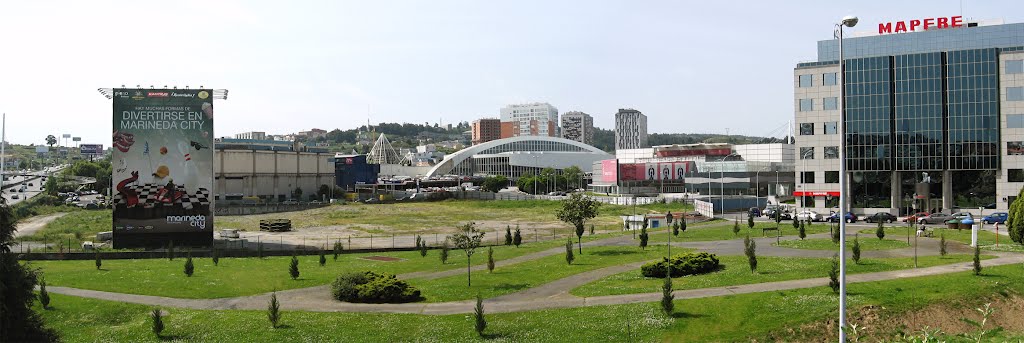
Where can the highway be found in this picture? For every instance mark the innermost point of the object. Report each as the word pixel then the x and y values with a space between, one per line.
pixel 12 185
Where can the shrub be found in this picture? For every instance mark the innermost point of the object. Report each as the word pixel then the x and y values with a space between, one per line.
pixel 372 287
pixel 796 222
pixel 323 258
pixel 803 231
pixel 478 314
pixel 675 228
pixel 158 321
pixel 490 259
pixel 856 249
pixel 667 299
pixel 444 253
pixel 682 264
pixel 508 235
pixel 750 250
pixel 517 239
pixel 880 231
pixel 569 257
pixel 99 262
pixel 833 274
pixel 750 221
pixel 977 259
pixel 942 244
pixel 337 249
pixel 44 296
pixel 423 248
pixel 736 227
pixel 189 267
pixel 293 268
pixel 682 223
pixel 643 238
pixel 273 310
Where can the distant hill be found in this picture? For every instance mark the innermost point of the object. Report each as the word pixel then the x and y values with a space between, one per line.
pixel 605 139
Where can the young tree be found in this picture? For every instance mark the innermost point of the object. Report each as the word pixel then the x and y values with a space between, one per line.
pixel 576 210
pixel 215 256
pixel 170 251
pixel 478 315
pixel 158 321
pixel 643 237
pixel 517 239
pixel 833 274
pixel 750 250
pixel 293 267
pixel 682 223
pixel 796 223
pixel 675 228
pixel 189 267
pixel 880 232
pixel 44 296
pixel 1015 220
pixel 667 299
pixel 423 248
pixel 835 235
pixel 750 220
pixel 323 258
pixel 274 310
pixel 591 229
pixel 736 227
pixel 444 252
pixel 490 259
pixel 802 231
pixel 467 239
pixel 977 259
pixel 99 262
pixel 568 251
pixel 856 249
pixel 942 243
pixel 338 247
pixel 508 235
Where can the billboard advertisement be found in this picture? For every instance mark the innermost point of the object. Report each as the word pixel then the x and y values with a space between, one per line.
pixel 609 171
pixel 632 172
pixel 91 149
pixel 162 167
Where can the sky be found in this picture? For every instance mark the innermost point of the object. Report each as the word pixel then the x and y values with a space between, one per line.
pixel 691 67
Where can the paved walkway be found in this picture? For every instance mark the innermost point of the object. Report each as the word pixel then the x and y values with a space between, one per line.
pixel 556 294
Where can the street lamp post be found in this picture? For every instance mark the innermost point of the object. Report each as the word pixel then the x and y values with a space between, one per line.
pixel 848 21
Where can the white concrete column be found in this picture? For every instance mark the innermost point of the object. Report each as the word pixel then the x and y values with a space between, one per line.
pixel 947 191
pixel 894 193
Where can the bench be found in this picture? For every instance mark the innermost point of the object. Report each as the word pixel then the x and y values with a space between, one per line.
pixel 764 230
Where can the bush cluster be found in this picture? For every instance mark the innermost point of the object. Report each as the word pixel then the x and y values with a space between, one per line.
pixel 372 287
pixel 684 264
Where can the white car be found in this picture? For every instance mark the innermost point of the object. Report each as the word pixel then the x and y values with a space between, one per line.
pixel 809 216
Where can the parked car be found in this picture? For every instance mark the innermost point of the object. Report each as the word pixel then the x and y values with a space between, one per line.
pixel 962 215
pixel 316 202
pixel 809 216
pixel 289 202
pixel 15 196
pixel 913 217
pixel 880 217
pixel 998 217
pixel 754 211
pixel 935 218
pixel 849 217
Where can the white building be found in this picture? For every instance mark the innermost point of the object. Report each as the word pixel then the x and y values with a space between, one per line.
pixel 259 135
pixel 578 126
pixel 630 129
pixel 533 119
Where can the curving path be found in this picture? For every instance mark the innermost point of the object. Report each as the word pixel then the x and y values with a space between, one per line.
pixel 556 294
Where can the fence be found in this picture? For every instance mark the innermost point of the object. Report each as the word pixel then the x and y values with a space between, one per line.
pixel 241 210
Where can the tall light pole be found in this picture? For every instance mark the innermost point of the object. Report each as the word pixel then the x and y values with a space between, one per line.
pixel 848 21
pixel 721 182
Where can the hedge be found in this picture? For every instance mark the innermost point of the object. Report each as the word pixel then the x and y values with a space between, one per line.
pixel 371 287
pixel 684 264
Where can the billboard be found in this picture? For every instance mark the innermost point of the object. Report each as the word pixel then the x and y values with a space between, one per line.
pixel 91 149
pixel 42 149
pixel 162 167
pixel 610 171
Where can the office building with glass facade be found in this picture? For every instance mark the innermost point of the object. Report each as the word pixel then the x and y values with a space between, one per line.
pixel 934 121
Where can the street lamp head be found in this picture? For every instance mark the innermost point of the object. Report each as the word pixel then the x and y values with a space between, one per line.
pixel 850 21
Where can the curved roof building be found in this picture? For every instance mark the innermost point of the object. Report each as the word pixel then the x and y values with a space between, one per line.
pixel 514 156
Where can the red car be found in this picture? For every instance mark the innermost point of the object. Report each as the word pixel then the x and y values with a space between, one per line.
pixel 913 217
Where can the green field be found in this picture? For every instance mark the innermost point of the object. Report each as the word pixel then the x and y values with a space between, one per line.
pixel 722 230
pixel 736 271
pixel 248 276
pixel 76 226
pixel 866 243
pixel 768 316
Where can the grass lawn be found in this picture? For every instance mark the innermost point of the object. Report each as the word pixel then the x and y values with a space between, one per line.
pixel 764 316
pixel 963 236
pixel 722 230
pixel 866 243
pixel 248 276
pixel 736 271
pixel 77 225
pixel 530 274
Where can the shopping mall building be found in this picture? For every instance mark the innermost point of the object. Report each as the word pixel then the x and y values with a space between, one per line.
pixel 934 118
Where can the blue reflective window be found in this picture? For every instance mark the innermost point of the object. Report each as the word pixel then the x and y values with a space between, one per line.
pixel 831 103
pixel 830 79
pixel 1015 121
pixel 805 80
pixel 806 105
pixel 1014 93
pixel 1014 66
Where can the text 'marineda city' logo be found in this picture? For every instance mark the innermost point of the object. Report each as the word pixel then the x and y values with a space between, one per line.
pixel 204 94
pixel 138 96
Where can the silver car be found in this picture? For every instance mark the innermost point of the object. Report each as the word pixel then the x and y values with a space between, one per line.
pixel 935 218
pixel 809 216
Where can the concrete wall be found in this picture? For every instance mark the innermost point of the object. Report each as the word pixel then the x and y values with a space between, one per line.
pixel 271 173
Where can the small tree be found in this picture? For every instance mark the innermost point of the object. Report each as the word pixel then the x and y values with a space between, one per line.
pixel 802 231
pixel 293 267
pixel 274 310
pixel 517 239
pixel 444 252
pixel 643 238
pixel 667 299
pixel 750 220
pixel 942 244
pixel 682 223
pixel 835 235
pixel 880 231
pixel 158 321
pixel 44 296
pixel 423 248
pixel 215 256
pixel 508 235
pixel 576 210
pixel 478 315
pixel 568 252
pixel 591 229
pixel 467 240
pixel 490 259
pixel 189 267
pixel 675 228
pixel 750 249
pixel 833 274
pixel 170 251
pixel 99 262
pixel 323 258
pixel 856 249
pixel 736 227
pixel 977 259
pixel 338 247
